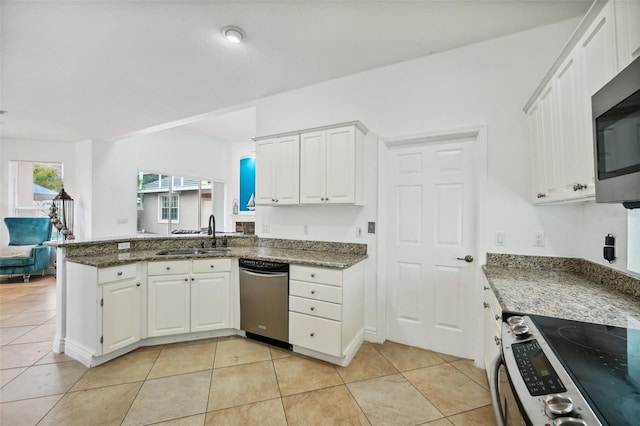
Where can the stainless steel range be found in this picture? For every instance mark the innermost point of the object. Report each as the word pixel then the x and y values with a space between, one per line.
pixel 559 372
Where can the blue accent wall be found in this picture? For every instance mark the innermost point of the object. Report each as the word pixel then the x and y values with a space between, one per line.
pixel 247 182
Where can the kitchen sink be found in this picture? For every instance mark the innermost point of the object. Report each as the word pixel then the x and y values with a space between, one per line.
pixel 192 252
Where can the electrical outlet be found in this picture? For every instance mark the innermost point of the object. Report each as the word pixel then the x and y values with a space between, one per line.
pixel 124 246
pixel 359 232
pixel 538 239
pixel 265 228
pixel 305 229
pixel 500 238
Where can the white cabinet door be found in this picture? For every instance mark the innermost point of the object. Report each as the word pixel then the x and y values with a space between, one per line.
pixel 598 65
pixel 627 31
pixel 313 167
pixel 288 170
pixel 573 159
pixel 210 301
pixel 278 171
pixel 549 148
pixel 121 313
pixel 341 165
pixel 168 305
pixel 537 153
pixel 265 171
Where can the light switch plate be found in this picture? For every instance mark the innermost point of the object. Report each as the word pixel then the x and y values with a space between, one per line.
pixel 371 227
pixel 124 246
pixel 538 239
pixel 500 238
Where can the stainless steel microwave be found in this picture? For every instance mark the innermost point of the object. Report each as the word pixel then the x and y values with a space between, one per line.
pixel 616 126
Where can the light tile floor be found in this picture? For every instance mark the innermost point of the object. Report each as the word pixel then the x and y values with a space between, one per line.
pixel 225 381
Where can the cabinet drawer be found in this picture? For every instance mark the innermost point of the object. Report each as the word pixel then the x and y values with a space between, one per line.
pixel 116 273
pixel 169 267
pixel 315 333
pixel 315 291
pixel 315 308
pixel 211 265
pixel 316 275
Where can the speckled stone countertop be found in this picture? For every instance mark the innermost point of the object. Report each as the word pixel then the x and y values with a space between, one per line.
pixel 562 293
pixel 312 253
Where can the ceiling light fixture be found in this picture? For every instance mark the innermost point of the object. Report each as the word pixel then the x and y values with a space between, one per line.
pixel 233 34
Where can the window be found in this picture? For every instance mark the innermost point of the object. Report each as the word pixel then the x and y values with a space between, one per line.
pixel 32 187
pixel 177 204
pixel 165 209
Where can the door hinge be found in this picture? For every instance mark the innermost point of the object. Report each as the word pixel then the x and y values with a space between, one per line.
pixel 101 302
pixel 101 339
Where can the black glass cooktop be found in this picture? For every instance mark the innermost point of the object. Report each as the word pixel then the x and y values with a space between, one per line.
pixel 603 361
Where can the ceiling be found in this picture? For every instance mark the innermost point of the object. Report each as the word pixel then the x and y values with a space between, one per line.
pixel 89 69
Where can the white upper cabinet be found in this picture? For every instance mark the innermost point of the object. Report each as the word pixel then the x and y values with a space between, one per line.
pixel 331 166
pixel 627 31
pixel 278 171
pixel 559 113
pixel 324 165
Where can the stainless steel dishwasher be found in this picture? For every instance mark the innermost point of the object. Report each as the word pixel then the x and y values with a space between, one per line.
pixel 264 299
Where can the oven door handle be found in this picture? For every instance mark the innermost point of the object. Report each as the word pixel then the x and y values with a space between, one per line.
pixel 495 393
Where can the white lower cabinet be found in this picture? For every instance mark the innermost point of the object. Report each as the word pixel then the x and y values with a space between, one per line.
pixel 121 314
pixel 185 296
pixel 326 311
pixel 492 326
pixel 104 310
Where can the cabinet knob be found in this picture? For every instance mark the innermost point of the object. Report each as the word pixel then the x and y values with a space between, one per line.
pixel 486 288
pixel 119 272
pixel 313 275
pixel 137 284
pixel 313 292
pixel 168 268
pixel 485 305
pixel 273 200
pixel 212 266
pixel 193 279
pixel 322 199
pixel 497 317
pixel 312 334
pixel 326 199
pixel 497 340
pixel 186 279
pixel 313 308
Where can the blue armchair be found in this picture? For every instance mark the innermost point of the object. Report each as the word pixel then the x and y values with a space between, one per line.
pixel 25 253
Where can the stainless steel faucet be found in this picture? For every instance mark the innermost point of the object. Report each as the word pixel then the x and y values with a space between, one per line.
pixel 212 230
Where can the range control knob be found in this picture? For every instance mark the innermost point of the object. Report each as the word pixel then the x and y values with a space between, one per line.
pixel 558 405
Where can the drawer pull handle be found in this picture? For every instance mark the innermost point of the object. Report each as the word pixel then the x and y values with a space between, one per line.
pixel 497 340
pixel 313 275
pixel 137 284
pixel 485 304
pixel 486 288
pixel 497 317
pixel 312 334
pixel 313 308
pixel 313 292
pixel 119 272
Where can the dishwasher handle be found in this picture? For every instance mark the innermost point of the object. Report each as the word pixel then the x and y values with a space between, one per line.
pixel 264 273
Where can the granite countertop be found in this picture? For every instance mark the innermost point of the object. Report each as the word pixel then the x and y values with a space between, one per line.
pixel 327 259
pixel 562 294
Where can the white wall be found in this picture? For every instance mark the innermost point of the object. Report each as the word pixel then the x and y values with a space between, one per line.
pixel 37 151
pixel 115 166
pixel 483 84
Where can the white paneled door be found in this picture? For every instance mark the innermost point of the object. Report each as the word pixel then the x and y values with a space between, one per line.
pixel 431 211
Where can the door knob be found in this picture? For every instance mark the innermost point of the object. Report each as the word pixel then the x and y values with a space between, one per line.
pixel 468 258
